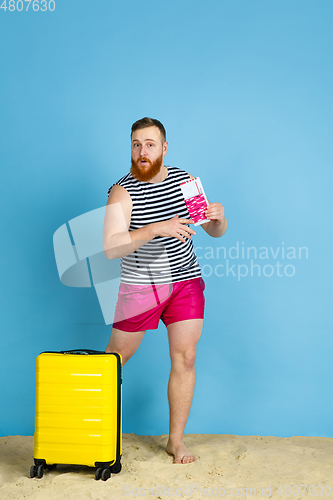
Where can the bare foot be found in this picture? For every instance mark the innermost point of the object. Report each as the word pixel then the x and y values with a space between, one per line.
pixel 180 453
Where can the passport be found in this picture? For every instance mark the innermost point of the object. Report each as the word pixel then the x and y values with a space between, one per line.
pixel 195 200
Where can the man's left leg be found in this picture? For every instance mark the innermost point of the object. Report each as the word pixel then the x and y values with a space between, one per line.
pixel 183 339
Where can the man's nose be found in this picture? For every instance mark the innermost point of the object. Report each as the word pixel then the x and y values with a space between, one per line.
pixel 143 151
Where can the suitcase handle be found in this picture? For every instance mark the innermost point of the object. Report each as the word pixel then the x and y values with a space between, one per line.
pixel 82 351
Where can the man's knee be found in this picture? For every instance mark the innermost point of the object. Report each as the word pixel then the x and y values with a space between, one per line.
pixel 184 361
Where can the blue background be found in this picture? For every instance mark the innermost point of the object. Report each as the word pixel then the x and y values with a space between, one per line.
pixel 244 89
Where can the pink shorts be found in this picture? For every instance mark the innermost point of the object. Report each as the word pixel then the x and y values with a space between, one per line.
pixel 140 307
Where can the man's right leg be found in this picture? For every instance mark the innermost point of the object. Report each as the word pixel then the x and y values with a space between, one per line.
pixel 124 343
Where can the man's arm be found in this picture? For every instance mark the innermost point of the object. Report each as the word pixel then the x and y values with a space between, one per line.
pixel 218 223
pixel 118 241
pixel 217 226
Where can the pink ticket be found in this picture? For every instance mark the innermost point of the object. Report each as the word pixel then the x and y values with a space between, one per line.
pixel 195 200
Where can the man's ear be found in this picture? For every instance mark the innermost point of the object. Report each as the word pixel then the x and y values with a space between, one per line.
pixel 165 147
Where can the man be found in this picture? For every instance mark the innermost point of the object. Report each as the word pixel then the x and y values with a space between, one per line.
pixel 147 225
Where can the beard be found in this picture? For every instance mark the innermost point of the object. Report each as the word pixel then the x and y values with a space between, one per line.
pixel 147 172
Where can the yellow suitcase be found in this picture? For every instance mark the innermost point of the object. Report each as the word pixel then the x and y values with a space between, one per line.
pixel 78 411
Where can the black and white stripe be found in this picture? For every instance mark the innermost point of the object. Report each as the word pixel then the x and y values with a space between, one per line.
pixel 163 259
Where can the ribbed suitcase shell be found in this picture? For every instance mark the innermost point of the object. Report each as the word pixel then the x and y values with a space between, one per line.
pixel 78 408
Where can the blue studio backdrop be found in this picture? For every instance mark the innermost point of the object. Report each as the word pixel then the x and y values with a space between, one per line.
pixel 244 89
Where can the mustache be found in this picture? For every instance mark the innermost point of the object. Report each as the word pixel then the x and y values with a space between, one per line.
pixel 143 158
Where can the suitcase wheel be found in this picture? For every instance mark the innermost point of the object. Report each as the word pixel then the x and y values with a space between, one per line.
pixel 33 471
pixel 106 474
pixel 36 471
pixel 103 474
pixel 40 471
pixel 98 473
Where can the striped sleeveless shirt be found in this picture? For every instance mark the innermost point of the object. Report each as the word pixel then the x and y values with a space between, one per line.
pixel 163 259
